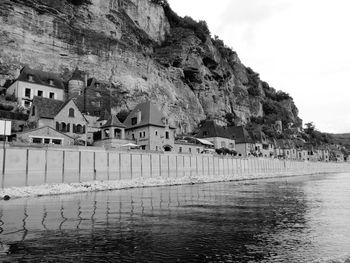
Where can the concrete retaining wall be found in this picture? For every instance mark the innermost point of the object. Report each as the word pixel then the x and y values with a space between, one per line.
pixel 30 167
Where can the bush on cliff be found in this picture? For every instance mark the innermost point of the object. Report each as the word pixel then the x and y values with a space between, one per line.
pixel 80 2
pixel 199 28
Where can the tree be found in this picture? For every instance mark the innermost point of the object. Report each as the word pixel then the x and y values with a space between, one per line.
pixel 310 128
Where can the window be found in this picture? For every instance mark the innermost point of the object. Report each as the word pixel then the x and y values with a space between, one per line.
pixel 205 133
pixel 166 135
pixel 189 150
pixel 156 133
pixel 37 140
pixel 31 78
pixel 180 149
pixel 47 141
pixel 26 104
pixel 27 92
pixel 33 111
pixel 51 82
pixel 198 150
pixel 71 113
pixel 156 148
pixel 223 145
pixel 57 141
pixel 140 134
pixel 52 95
pixel 144 134
pixel 134 121
pixel 231 145
pixel 40 93
pixel 79 129
pixel 133 136
pixel 63 127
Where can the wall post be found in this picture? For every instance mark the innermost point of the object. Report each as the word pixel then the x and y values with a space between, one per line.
pixel 27 166
pixel 63 160
pixel 45 175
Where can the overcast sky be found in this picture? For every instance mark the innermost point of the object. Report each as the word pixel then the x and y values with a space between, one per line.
pixel 298 46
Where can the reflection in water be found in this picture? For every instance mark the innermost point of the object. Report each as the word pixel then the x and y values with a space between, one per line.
pixel 304 219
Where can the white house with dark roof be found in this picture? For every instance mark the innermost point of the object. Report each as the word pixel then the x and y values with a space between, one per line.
pixel 149 128
pixel 31 83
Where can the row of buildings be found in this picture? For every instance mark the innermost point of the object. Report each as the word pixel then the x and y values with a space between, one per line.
pixel 60 115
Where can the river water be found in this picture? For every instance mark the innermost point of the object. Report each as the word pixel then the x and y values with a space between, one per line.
pixel 299 219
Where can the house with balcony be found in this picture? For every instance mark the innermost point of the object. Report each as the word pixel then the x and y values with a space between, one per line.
pixel 149 128
pixel 113 134
pixel 31 83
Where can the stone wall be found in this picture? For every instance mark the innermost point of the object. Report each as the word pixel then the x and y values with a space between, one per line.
pixel 30 167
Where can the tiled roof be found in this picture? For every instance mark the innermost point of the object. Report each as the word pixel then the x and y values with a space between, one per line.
pixel 42 128
pixel 78 75
pixel 211 129
pixel 237 133
pixel 113 121
pixel 47 108
pixel 105 117
pixel 150 115
pixel 40 77
pixel 240 134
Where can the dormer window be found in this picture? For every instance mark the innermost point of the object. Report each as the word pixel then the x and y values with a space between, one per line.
pixel 71 113
pixel 31 78
pixel 97 85
pixel 134 121
pixel 51 82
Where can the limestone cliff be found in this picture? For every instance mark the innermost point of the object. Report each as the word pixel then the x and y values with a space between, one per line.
pixel 136 47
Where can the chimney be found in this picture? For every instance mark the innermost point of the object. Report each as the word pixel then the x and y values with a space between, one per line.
pixel 84 91
pixel 138 115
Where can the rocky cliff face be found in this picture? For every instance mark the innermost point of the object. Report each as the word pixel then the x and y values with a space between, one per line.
pixel 132 45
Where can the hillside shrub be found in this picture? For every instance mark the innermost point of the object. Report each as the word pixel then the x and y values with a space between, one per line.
pixel 254 91
pixel 11 97
pixel 6 107
pixel 199 28
pixel 79 2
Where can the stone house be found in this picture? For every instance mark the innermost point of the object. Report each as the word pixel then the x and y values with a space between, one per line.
pixel 302 154
pixel 188 147
pixel 312 154
pixel 31 83
pixel 263 146
pixel 286 149
pixel 46 136
pixel 245 145
pixel 219 136
pixel 62 116
pixel 149 128
pixel 113 134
